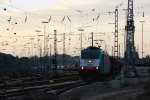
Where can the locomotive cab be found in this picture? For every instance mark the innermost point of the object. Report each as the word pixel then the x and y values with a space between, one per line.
pixel 93 63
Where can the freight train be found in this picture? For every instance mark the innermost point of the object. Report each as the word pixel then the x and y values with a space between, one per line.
pixel 97 64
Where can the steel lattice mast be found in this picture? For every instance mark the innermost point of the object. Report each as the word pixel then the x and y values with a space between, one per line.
pixel 130 48
pixel 55 54
pixel 116 37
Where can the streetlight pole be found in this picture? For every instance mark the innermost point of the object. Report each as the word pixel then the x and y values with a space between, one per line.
pixel 37 42
pixel 45 44
pixel 31 46
pixel 45 50
pixel 142 41
pixel 38 50
pixel 81 36
pixel 92 39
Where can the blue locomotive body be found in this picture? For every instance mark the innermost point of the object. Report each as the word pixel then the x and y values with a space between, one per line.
pixel 94 64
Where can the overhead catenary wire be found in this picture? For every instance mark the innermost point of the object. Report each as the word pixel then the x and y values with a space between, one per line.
pixel 91 14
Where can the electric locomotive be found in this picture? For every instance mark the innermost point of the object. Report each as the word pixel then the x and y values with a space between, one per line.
pixel 94 63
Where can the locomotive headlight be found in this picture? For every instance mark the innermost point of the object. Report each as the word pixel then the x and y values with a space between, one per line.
pixel 90 61
pixel 82 67
pixel 96 67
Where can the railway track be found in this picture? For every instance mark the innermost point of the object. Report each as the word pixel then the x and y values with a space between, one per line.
pixel 57 85
pixel 60 91
pixel 57 88
pixel 24 83
pixel 82 83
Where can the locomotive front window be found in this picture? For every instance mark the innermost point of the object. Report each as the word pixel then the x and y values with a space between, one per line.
pixel 89 55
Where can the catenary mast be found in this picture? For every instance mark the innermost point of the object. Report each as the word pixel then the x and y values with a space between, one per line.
pixel 130 48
